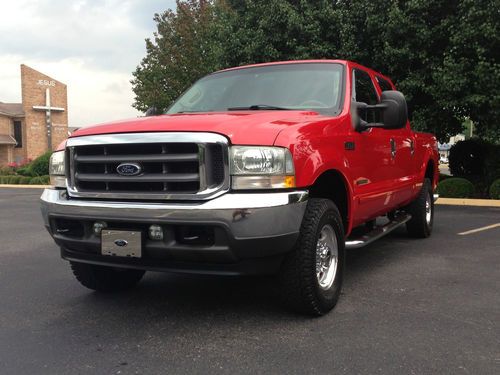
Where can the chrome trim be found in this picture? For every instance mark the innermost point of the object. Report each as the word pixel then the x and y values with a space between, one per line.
pixel 249 215
pixel 435 197
pixel 201 138
pixel 375 234
pixel 226 201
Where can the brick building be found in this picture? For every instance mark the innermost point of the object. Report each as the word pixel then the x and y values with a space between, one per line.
pixel 39 123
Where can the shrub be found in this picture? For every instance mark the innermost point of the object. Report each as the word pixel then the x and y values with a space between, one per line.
pixel 495 189
pixel 6 171
pixel 492 163
pixel 24 180
pixel 468 157
pixel 3 179
pixel 40 166
pixel 14 180
pixel 24 171
pixel 455 187
pixel 40 180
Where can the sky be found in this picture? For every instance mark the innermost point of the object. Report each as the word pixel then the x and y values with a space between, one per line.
pixel 93 46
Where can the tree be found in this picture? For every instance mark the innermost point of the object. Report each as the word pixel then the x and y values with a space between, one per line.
pixel 185 47
pixel 441 53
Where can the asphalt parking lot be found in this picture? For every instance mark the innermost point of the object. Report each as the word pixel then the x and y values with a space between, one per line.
pixel 408 307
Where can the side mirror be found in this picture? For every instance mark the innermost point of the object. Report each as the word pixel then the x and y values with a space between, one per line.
pixel 392 112
pixel 153 111
pixel 395 113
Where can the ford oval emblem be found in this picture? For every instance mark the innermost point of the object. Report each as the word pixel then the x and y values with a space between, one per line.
pixel 129 169
pixel 121 243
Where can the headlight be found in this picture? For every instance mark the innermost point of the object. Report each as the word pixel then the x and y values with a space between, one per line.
pixel 56 169
pixel 256 167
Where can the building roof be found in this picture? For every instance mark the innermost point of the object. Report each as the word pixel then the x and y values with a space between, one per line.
pixel 6 139
pixel 12 109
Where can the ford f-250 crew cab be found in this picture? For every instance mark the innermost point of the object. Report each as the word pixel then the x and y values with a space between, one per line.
pixel 274 168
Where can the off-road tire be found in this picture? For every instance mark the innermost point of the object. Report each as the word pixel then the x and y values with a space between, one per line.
pixel 106 279
pixel 299 285
pixel 418 226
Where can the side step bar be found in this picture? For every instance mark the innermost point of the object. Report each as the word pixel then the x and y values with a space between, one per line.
pixel 377 232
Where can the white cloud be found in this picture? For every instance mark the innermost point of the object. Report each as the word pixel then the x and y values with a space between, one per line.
pixel 92 46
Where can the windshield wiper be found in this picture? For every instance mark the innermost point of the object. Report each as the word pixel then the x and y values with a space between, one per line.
pixel 258 107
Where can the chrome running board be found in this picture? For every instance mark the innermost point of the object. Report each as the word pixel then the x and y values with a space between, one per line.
pixel 377 232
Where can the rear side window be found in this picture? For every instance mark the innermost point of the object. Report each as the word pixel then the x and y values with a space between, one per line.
pixel 384 84
pixel 363 90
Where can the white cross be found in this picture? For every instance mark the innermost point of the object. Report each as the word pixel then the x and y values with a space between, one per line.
pixel 48 119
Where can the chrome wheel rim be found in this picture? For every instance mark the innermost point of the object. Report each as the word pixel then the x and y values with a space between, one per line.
pixel 327 255
pixel 428 210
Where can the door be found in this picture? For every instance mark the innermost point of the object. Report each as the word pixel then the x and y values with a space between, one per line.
pixel 402 150
pixel 372 163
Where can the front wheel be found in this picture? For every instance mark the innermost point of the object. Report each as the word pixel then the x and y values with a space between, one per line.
pixel 106 279
pixel 311 275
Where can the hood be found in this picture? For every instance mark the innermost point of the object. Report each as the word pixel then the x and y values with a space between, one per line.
pixel 245 127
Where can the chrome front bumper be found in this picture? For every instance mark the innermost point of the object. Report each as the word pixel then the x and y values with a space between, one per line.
pixel 256 225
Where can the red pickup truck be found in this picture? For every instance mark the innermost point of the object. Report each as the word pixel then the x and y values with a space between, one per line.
pixel 273 168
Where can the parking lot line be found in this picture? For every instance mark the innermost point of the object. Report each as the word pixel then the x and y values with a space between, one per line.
pixel 479 229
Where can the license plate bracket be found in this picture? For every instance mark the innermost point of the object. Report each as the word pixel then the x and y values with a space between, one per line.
pixel 121 243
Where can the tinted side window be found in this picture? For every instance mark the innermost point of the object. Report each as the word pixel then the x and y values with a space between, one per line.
pixel 384 84
pixel 364 91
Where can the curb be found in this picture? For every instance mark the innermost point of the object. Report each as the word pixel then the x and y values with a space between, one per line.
pixel 469 202
pixel 24 186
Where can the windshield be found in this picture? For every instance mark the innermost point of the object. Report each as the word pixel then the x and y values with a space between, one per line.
pixel 304 86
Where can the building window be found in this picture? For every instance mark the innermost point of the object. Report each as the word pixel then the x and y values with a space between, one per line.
pixel 18 133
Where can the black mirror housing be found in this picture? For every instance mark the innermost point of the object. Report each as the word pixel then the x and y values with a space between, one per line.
pixel 392 109
pixel 395 113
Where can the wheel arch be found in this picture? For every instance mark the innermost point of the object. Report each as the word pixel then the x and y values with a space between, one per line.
pixel 332 184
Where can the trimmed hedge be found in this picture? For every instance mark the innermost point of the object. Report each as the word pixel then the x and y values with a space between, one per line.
pixel 40 180
pixel 24 180
pixel 495 189
pixel 455 187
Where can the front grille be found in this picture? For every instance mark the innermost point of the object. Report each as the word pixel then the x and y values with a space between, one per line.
pixel 167 169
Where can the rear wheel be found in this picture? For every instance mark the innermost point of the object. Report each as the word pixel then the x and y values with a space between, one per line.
pixel 422 212
pixel 106 279
pixel 311 275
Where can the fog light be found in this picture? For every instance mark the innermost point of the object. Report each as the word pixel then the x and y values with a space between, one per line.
pixel 156 232
pixel 99 226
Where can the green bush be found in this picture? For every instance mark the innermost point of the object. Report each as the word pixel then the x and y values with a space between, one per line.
pixel 40 166
pixel 40 180
pixel 3 179
pixel 24 180
pixel 24 171
pixel 14 180
pixel 492 163
pixel 455 187
pixel 7 171
pixel 495 189
pixel 468 157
